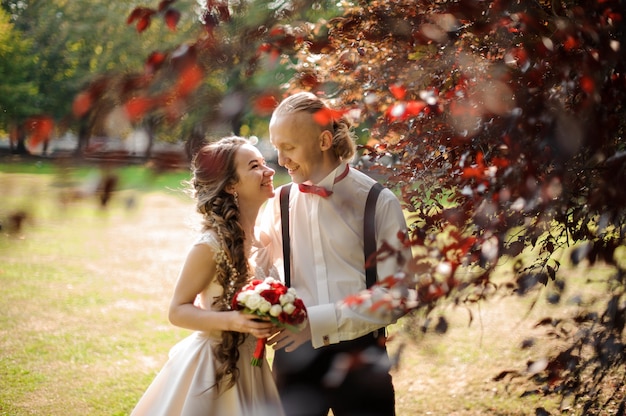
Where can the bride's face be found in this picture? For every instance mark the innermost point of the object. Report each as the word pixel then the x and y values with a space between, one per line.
pixel 256 178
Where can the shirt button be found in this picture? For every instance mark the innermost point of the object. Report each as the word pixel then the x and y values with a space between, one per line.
pixel 326 339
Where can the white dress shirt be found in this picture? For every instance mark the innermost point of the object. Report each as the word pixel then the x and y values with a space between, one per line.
pixel 327 251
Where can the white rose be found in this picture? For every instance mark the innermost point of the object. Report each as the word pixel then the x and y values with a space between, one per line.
pixel 261 287
pixel 253 301
pixel 264 306
pixel 275 310
pixel 289 308
pixel 242 297
pixel 287 298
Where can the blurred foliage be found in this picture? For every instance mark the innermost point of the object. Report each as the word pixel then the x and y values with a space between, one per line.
pixel 17 92
pixel 224 81
pixel 58 48
pixel 504 123
pixel 501 125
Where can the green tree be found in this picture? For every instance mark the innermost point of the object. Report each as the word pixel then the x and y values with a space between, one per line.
pixel 73 43
pixel 17 92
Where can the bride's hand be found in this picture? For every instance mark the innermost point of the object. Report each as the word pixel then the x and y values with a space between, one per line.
pixel 251 324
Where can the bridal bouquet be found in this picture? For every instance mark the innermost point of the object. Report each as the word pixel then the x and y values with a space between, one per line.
pixel 269 298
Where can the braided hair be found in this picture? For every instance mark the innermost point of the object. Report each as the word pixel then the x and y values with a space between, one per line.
pixel 213 171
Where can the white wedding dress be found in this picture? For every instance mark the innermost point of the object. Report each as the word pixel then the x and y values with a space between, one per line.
pixel 185 385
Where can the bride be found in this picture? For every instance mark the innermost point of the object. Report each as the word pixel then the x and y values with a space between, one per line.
pixel 209 372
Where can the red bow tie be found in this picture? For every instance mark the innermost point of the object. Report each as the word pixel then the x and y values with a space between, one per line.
pixel 319 190
pixel 314 189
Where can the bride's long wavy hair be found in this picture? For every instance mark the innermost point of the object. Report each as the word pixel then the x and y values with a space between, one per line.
pixel 213 171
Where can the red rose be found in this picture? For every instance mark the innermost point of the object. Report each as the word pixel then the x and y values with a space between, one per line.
pixel 271 296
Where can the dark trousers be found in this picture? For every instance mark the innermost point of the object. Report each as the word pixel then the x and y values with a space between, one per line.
pixel 351 378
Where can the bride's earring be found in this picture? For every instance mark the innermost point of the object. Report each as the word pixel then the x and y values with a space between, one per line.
pixel 236 196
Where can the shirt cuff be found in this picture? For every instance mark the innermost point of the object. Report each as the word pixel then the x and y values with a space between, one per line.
pixel 323 324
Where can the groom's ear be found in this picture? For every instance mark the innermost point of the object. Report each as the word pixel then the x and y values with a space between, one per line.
pixel 326 140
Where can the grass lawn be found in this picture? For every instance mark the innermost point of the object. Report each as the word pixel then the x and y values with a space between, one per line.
pixel 84 293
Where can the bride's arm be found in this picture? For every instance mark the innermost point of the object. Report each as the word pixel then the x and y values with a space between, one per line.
pixel 197 273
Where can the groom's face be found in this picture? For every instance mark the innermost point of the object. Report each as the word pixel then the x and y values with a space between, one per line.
pixel 298 141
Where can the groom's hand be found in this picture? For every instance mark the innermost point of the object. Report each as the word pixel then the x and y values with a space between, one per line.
pixel 290 340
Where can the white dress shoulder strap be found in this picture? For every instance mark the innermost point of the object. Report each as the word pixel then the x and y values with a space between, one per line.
pixel 211 239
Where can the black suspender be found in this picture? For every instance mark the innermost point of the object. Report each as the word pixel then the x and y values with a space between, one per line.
pixel 369 232
pixel 284 222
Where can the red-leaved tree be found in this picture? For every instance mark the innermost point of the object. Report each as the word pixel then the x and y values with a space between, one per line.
pixel 500 124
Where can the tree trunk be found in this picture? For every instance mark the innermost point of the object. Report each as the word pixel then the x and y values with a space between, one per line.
pixel 150 124
pixel 83 138
pixel 20 142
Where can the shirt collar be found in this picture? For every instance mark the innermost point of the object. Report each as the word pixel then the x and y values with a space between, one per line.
pixel 335 176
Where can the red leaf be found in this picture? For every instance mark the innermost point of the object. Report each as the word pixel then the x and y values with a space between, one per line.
pixel 265 104
pixel 143 16
pixel 480 158
pixel 353 300
pixel 413 108
pixel 143 23
pixel 570 43
pixel 326 116
pixel 277 31
pixel 40 128
pixel 614 16
pixel 223 11
pixel 464 245
pixel 82 104
pixel 189 79
pixel 389 281
pixel 265 47
pixel 154 62
pixel 396 112
pixel 137 107
pixel 587 84
pixel 519 55
pixel 172 17
pixel 473 172
pixel 398 91
pixel 500 162
pixel 135 14
pixel 307 79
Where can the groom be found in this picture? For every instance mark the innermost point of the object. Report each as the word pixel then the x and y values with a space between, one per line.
pixel 339 361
